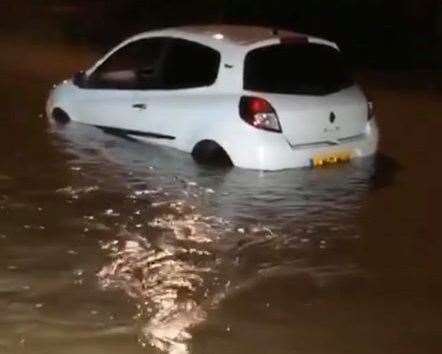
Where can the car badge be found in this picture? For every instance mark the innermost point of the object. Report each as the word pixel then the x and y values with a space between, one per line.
pixel 332 117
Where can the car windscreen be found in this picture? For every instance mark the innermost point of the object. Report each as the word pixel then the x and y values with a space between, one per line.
pixel 300 68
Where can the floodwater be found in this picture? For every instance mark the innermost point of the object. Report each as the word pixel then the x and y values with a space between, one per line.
pixel 113 246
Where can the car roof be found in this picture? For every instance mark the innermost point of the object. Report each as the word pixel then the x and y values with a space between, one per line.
pixel 235 34
pixel 232 41
pixel 232 35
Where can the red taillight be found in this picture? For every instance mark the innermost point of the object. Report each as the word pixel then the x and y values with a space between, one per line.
pixel 259 113
pixel 258 105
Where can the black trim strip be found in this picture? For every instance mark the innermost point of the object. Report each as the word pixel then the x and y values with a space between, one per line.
pixel 125 132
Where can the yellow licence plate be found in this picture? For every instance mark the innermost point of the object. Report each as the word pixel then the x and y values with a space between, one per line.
pixel 331 159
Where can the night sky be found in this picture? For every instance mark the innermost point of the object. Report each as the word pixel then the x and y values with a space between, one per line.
pixel 373 33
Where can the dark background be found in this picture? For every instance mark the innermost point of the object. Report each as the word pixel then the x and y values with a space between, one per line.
pixel 373 33
pixel 394 306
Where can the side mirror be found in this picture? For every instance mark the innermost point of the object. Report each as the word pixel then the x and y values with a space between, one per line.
pixel 79 79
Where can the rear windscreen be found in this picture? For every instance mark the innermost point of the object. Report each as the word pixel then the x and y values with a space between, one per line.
pixel 309 69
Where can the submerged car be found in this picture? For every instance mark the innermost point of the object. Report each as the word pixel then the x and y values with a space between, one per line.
pixel 260 98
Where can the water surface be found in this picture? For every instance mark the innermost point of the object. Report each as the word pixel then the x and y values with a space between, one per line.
pixel 109 245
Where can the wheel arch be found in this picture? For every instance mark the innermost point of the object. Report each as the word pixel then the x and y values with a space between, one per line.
pixel 210 151
pixel 60 115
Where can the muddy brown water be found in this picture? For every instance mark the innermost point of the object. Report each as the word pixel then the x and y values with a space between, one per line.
pixel 111 246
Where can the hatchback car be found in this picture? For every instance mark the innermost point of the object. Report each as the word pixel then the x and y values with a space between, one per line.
pixel 260 98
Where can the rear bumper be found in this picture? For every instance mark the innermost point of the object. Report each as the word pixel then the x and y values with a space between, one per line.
pixel 273 152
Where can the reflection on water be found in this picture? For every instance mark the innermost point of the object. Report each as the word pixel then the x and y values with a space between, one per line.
pixel 104 241
pixel 195 235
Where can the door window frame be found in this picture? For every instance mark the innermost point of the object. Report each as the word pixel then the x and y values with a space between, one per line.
pixel 166 48
pixel 89 73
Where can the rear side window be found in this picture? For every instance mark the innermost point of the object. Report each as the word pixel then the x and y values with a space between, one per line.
pixel 189 64
pixel 306 69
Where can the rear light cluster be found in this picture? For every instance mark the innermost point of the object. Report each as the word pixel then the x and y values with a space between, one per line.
pixel 259 113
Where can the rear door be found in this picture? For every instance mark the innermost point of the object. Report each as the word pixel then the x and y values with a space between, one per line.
pixel 313 94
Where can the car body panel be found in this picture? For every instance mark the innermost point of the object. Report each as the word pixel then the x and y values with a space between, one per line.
pixel 181 118
pixel 308 119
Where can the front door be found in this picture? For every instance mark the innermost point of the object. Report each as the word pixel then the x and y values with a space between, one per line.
pixel 169 110
pixel 108 98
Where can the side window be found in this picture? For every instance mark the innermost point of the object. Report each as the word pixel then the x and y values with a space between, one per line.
pixel 134 66
pixel 189 64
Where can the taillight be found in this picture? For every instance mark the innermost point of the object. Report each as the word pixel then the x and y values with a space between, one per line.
pixel 259 113
pixel 370 109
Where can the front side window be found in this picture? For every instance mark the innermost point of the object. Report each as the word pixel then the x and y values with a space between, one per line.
pixel 158 64
pixel 134 66
pixel 308 69
pixel 189 64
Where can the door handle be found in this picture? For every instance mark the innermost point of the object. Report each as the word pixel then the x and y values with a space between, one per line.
pixel 139 106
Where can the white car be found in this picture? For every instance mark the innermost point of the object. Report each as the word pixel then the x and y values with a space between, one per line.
pixel 260 98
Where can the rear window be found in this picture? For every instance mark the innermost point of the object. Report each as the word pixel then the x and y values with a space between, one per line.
pixel 306 69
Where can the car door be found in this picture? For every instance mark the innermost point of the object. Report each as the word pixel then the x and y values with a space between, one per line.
pixel 187 70
pixel 107 98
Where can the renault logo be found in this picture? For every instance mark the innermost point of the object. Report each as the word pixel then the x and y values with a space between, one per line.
pixel 332 117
